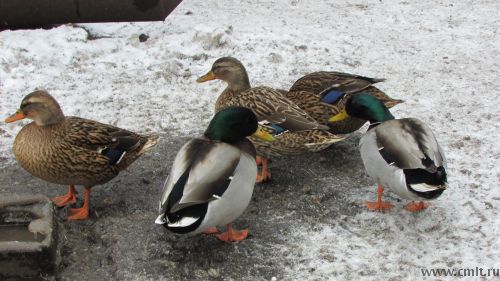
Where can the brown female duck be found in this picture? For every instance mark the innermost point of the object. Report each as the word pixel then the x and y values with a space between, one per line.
pixel 295 131
pixel 324 94
pixel 71 150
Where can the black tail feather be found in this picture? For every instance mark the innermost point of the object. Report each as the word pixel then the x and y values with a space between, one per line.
pixel 416 176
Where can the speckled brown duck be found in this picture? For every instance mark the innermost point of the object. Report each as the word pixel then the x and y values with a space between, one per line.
pixel 295 131
pixel 71 150
pixel 324 94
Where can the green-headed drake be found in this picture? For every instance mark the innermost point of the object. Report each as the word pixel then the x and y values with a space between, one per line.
pixel 72 151
pixel 400 154
pixel 296 132
pixel 212 178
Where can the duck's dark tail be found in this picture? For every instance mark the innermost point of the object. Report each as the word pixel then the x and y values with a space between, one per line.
pixel 425 184
pixel 375 80
pixel 151 141
pixel 145 144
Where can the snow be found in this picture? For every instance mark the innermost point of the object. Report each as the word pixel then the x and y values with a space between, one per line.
pixel 441 57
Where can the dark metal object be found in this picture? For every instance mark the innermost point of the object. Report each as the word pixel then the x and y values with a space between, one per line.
pixel 16 14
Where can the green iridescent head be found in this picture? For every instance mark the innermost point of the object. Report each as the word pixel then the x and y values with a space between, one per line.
pixel 364 106
pixel 233 124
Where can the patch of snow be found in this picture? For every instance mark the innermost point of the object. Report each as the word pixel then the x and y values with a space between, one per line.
pixel 440 57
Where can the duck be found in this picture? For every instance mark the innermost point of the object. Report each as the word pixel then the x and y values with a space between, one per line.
pixel 402 155
pixel 212 177
pixel 323 94
pixel 72 151
pixel 295 131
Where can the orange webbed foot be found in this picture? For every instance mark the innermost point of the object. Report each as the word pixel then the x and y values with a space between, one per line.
pixel 263 177
pixel 264 174
pixel 378 206
pixel 232 235
pixel 63 200
pixel 78 213
pixel 83 212
pixel 416 206
pixel 211 230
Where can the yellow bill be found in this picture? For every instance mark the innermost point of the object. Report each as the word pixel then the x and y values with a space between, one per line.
pixel 339 116
pixel 15 117
pixel 207 77
pixel 260 133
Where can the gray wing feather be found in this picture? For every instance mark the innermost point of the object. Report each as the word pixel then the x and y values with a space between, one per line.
pixel 210 166
pixel 180 165
pixel 208 173
pixel 410 144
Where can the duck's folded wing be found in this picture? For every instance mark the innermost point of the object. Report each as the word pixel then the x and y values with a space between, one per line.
pixel 324 81
pixel 97 136
pixel 409 144
pixel 202 171
pixel 181 165
pixel 270 105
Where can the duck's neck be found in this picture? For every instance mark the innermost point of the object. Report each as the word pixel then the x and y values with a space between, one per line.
pixel 238 85
pixel 234 87
pixel 47 118
pixel 379 117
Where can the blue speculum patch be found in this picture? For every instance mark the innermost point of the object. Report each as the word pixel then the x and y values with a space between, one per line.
pixel 332 96
pixel 278 129
pixel 114 155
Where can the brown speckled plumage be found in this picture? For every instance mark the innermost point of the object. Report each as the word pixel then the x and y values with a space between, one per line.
pixel 293 143
pixel 303 133
pixel 268 104
pixel 308 91
pixel 70 150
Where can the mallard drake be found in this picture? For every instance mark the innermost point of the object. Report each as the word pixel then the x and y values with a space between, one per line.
pixel 400 154
pixel 296 132
pixel 71 150
pixel 324 94
pixel 212 178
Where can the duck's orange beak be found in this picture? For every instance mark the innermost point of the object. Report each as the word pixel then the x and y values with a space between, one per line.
pixel 15 117
pixel 207 77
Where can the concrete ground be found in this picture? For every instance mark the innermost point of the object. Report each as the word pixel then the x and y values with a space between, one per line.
pixel 121 242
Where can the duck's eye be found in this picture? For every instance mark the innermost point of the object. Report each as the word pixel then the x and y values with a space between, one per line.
pixel 25 104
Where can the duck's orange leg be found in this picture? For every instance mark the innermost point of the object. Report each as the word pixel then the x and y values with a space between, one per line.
pixel 211 230
pixel 233 235
pixel 83 212
pixel 66 199
pixel 265 174
pixel 416 206
pixel 379 205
